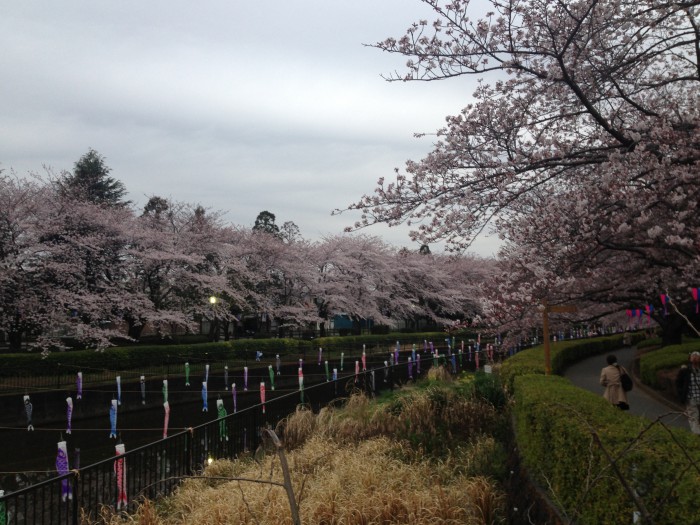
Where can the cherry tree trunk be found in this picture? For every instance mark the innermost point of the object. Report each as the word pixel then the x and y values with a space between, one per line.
pixel 672 330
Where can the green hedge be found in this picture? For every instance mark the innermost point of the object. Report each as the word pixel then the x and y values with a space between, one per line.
pixel 666 358
pixel 114 358
pixel 649 342
pixel 139 357
pixel 555 424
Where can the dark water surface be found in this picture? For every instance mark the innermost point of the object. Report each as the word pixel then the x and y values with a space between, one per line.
pixel 30 455
pixel 27 457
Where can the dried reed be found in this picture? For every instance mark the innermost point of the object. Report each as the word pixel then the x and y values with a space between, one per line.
pixel 363 464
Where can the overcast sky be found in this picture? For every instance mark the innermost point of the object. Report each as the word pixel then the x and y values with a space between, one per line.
pixel 237 106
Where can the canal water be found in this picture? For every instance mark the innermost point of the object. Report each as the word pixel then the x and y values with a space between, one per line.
pixel 29 456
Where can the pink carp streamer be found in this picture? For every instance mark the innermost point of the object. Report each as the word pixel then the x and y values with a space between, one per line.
pixel 262 395
pixel 301 383
pixel 120 471
pixel 166 419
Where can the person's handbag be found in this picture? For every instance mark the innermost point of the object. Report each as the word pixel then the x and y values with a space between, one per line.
pixel 625 380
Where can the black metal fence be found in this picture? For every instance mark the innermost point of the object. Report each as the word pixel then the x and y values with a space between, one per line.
pixel 64 376
pixel 155 469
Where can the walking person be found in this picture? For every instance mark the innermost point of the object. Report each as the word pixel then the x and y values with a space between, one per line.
pixel 610 379
pixel 688 387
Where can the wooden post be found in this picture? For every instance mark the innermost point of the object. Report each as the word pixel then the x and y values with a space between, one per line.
pixel 546 309
pixel 545 336
pixel 287 477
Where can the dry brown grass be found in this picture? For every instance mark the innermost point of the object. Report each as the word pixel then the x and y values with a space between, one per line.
pixel 297 427
pixel 358 484
pixel 431 418
pixel 363 464
pixel 439 373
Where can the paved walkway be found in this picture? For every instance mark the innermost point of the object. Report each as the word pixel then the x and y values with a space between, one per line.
pixel 643 401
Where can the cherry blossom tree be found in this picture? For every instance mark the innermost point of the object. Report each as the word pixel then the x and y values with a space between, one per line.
pixel 439 289
pixel 60 265
pixel 21 205
pixel 280 279
pixel 353 278
pixel 76 269
pixel 580 148
pixel 96 273
pixel 180 256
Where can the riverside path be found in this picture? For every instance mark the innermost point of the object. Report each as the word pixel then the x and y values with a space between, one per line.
pixel 643 401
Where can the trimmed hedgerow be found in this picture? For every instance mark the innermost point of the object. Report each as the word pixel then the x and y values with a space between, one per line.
pixel 557 425
pixel 114 358
pixel 140 357
pixel 557 431
pixel 666 358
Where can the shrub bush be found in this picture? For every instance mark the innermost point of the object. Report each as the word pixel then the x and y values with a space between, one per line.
pixel 665 358
pixel 556 428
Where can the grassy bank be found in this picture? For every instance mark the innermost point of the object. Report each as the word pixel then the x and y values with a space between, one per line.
pixel 433 453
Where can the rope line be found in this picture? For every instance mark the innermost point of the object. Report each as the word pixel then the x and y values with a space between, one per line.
pixel 106 429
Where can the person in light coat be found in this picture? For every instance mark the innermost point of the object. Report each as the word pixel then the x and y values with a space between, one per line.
pixel 610 379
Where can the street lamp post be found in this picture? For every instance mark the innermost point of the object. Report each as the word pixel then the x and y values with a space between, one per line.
pixel 214 327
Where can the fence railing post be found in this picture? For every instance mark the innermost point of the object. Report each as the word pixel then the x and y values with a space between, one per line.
pixel 189 439
pixel 75 481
